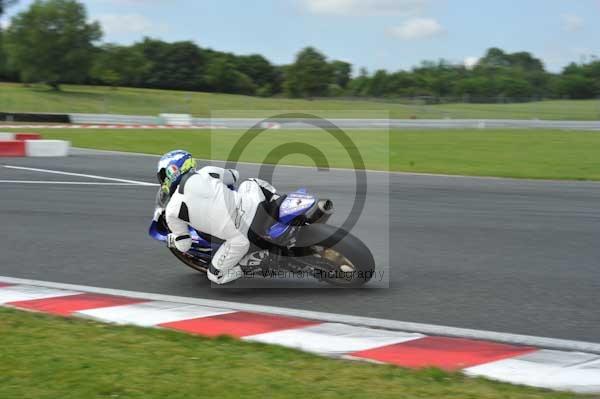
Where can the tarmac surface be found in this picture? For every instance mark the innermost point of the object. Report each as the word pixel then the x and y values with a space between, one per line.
pixel 516 256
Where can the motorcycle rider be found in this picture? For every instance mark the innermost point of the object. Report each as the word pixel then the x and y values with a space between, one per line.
pixel 205 200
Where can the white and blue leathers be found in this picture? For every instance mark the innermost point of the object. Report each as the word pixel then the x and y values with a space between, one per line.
pixel 204 201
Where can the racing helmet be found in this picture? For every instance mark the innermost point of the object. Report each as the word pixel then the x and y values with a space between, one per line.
pixel 171 169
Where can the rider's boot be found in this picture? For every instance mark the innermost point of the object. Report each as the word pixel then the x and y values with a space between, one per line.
pixel 224 276
pixel 254 259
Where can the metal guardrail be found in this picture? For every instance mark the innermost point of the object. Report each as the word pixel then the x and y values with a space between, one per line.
pixel 109 119
pixel 235 123
pixel 247 123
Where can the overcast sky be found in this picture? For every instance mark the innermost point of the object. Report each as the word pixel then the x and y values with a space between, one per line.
pixel 390 34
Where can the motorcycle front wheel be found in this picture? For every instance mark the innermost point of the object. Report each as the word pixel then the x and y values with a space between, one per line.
pixel 187 260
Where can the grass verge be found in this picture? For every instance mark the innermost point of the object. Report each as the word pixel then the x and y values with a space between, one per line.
pixel 45 357
pixel 538 154
pixel 90 99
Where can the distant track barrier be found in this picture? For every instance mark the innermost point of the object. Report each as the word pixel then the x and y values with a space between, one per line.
pixel 108 119
pixel 186 121
pixel 240 123
pixel 176 119
pixel 34 117
pixel 31 145
pixel 246 123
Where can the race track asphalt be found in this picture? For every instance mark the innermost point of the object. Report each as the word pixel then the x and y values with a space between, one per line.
pixel 492 254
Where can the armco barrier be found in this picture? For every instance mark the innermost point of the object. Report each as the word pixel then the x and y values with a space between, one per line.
pixel 106 119
pixel 245 123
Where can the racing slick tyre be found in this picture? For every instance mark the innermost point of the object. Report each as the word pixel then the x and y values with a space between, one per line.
pixel 341 259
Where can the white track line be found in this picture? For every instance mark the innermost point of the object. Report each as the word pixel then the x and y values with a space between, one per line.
pixel 69 183
pixel 57 172
pixel 427 329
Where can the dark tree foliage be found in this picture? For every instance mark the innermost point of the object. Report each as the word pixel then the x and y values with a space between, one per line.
pixel 309 76
pixel 179 65
pixel 120 66
pixel 577 87
pixel 222 76
pixel 4 72
pixel 53 42
pixel 256 67
pixel 342 73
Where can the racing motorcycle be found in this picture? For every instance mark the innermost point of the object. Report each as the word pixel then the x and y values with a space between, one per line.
pixel 290 234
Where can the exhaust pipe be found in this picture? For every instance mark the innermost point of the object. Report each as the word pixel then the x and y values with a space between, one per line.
pixel 321 212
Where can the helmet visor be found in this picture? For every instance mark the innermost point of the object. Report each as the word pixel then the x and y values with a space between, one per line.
pixel 161 175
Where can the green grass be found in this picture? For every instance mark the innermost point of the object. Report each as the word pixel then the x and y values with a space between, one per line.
pixel 538 154
pixel 89 99
pixel 44 357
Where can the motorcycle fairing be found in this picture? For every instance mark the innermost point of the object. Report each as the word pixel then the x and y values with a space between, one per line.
pixel 159 234
pixel 296 204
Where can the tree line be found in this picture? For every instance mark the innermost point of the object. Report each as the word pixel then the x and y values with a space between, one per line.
pixel 53 42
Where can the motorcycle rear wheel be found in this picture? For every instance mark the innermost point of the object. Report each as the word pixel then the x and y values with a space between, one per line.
pixel 343 259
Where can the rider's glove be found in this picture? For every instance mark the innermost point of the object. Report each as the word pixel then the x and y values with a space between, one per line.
pixel 171 239
pixel 182 243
